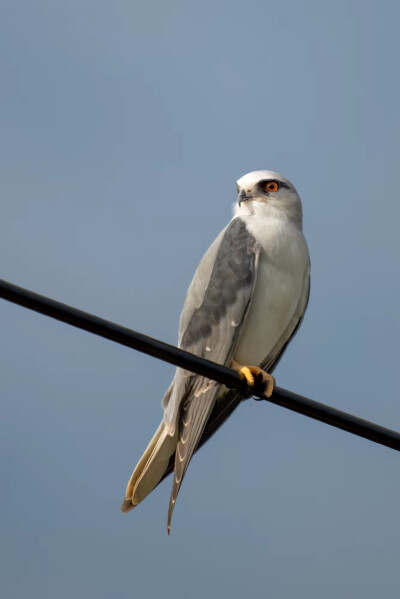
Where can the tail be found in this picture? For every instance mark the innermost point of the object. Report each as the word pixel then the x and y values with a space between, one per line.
pixel 150 468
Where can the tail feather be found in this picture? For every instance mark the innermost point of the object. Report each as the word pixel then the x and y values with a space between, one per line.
pixel 150 468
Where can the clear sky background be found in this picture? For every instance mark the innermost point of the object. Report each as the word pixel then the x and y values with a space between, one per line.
pixel 124 126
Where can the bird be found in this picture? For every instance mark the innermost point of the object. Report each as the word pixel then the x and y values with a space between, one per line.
pixel 244 305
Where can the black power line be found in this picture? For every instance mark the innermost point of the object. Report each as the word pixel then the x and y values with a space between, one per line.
pixel 174 355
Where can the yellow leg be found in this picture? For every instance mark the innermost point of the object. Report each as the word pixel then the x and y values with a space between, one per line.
pixel 249 372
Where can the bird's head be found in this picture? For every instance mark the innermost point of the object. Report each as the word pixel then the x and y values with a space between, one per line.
pixel 263 193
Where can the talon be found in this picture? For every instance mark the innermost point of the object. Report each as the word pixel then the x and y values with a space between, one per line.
pixel 270 385
pixel 249 372
pixel 245 373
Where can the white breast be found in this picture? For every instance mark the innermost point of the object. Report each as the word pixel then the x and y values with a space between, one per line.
pixel 281 289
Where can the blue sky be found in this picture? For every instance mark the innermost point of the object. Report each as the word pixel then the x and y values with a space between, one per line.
pixel 124 127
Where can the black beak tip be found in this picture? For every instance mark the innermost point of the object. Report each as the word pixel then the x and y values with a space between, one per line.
pixel 242 197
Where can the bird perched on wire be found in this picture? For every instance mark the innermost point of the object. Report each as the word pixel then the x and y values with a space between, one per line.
pixel 245 303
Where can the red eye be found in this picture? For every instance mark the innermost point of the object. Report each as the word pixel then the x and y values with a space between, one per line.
pixel 271 186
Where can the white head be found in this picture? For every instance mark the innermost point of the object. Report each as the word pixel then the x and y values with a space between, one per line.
pixel 265 193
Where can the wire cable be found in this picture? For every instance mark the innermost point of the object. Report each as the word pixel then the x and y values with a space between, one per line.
pixel 178 357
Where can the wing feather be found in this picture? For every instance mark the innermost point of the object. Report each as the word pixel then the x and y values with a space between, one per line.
pixel 210 328
pixel 215 309
pixel 194 416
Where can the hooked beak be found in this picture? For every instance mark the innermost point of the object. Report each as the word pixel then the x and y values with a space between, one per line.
pixel 244 197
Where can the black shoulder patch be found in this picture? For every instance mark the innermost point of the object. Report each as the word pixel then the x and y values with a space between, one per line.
pixel 232 272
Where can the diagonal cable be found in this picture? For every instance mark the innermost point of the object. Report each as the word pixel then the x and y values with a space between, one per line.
pixel 178 357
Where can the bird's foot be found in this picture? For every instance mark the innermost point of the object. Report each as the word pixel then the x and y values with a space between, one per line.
pixel 251 372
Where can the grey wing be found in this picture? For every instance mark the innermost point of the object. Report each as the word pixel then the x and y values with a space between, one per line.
pixel 219 295
pixel 215 310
